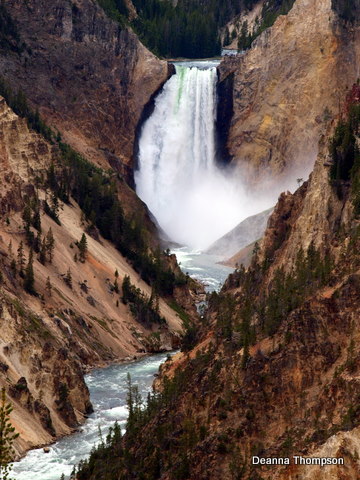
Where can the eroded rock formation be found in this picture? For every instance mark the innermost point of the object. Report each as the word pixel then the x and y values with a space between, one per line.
pixel 274 370
pixel 287 88
pixel 89 77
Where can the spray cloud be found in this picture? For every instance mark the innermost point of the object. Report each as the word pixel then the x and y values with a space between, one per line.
pixel 193 199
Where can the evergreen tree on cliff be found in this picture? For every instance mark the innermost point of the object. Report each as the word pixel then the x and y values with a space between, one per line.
pixel 29 279
pixel 83 248
pixel 7 437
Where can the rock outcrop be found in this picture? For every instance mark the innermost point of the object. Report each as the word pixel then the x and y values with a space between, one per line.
pixel 287 88
pixel 89 77
pixel 273 371
pixel 248 231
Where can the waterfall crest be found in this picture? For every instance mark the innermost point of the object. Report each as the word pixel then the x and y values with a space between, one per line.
pixel 194 200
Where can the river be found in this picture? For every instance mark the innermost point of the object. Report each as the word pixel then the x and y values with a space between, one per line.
pixel 108 392
pixel 107 388
pixel 203 267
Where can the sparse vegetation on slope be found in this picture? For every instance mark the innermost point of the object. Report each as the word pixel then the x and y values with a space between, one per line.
pixel 17 101
pixel 270 12
pixel 80 320
pixel 145 310
pixel 272 370
pixel 344 150
pixel 96 193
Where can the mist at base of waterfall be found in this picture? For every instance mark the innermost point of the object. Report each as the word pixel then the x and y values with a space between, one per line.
pixel 193 199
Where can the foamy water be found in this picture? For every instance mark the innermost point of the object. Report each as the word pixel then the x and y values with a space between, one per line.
pixel 193 199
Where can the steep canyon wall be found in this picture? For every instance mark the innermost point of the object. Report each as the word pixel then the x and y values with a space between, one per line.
pixel 286 90
pixel 88 76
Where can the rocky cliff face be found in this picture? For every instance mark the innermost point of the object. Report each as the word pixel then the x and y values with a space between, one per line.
pixel 89 77
pixel 248 231
pixel 297 396
pixel 286 88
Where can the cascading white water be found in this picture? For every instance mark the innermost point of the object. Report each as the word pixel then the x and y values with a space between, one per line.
pixel 194 201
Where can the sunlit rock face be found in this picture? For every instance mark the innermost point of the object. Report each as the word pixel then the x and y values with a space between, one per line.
pixel 286 90
pixel 89 77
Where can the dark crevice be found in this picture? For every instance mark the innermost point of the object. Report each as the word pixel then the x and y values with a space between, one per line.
pixel 225 111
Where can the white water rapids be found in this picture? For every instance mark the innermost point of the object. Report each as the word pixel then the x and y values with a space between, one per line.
pixel 193 199
pixel 108 392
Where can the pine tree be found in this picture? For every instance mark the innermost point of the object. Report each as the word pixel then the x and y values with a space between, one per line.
pixel 52 177
pixel 245 39
pixel 42 255
pixel 83 248
pixel 36 219
pixel 116 283
pixel 21 258
pixel 134 404
pixel 68 278
pixel 29 279
pixel 48 286
pixel 55 207
pixel 37 243
pixel 26 216
pixel 226 37
pixel 50 244
pixel 7 437
pixel 126 289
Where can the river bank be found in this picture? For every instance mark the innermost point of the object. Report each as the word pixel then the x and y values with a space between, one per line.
pixel 108 390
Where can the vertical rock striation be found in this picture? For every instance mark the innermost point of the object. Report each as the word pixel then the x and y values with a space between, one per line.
pixel 89 77
pixel 287 87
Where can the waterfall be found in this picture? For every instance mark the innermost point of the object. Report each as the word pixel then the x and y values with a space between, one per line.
pixel 193 199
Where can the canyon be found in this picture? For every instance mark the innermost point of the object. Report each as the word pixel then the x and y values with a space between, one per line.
pixel 270 365
pixel 272 371
pixel 82 72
